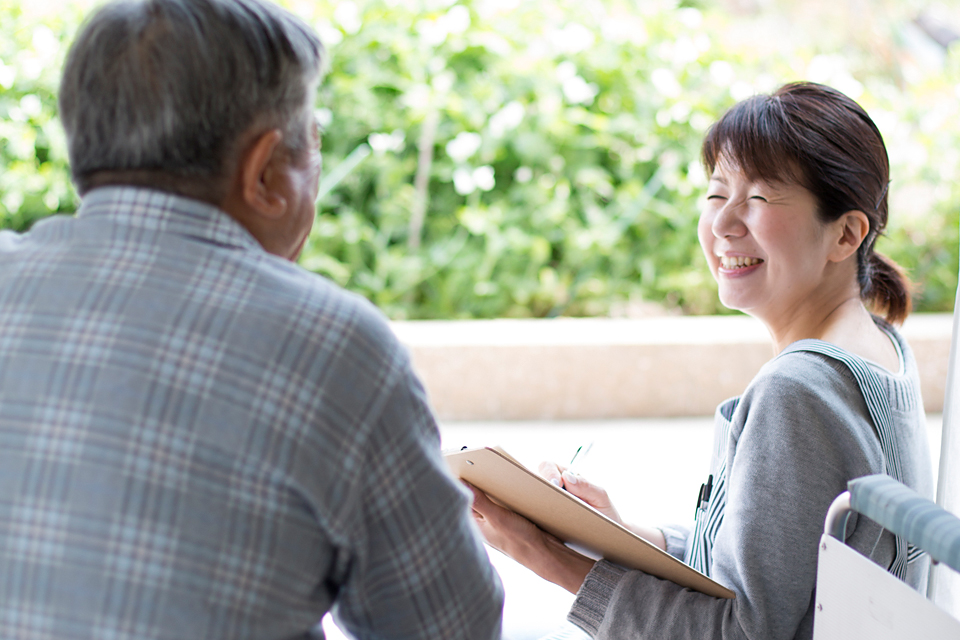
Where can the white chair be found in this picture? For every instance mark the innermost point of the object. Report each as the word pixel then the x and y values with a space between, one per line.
pixel 858 599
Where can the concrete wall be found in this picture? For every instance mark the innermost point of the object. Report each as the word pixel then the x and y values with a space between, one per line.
pixel 613 368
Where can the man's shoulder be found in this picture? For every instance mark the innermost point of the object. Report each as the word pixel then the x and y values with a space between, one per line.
pixel 9 240
pixel 315 305
pixel 41 231
pixel 292 285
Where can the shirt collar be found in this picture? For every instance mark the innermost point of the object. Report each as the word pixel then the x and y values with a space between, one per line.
pixel 167 212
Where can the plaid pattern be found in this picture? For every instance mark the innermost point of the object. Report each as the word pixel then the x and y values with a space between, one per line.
pixel 201 440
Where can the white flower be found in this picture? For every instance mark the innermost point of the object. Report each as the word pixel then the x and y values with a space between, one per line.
pixel 348 17
pixel 666 83
pixel 329 34
pixel 691 17
pixel 457 20
pixel 418 97
pixel 463 146
pixel 436 30
pixel 741 90
pixel 573 38
pixel 432 31
pixel 45 42
pixel 578 91
pixel 31 105
pixel 483 178
pixel 566 70
pixel 7 76
pixel 463 182
pixel 383 142
pixel 324 117
pixel 506 119
pixel 722 73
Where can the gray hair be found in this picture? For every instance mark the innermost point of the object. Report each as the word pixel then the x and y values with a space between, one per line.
pixel 169 87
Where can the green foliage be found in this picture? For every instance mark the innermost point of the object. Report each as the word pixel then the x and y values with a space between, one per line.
pixel 34 179
pixel 925 192
pixel 562 158
pixel 495 158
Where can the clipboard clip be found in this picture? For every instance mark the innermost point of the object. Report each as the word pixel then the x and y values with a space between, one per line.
pixel 704 498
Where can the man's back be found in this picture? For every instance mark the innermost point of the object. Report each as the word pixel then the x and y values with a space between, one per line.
pixel 201 440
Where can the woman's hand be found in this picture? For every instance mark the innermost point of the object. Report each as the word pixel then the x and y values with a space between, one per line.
pixel 529 545
pixel 503 529
pixel 594 495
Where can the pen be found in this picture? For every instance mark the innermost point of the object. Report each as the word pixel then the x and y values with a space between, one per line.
pixel 580 454
pixel 704 497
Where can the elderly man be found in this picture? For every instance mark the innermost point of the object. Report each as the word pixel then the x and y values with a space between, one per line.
pixel 198 439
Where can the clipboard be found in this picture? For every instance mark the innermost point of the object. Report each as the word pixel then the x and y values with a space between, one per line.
pixel 580 526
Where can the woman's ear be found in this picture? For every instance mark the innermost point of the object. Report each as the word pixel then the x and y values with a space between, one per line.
pixel 851 229
pixel 258 175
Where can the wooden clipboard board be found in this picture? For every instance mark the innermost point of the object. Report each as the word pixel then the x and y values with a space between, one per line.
pixel 500 476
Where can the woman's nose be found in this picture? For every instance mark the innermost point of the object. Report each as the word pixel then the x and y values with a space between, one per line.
pixel 728 220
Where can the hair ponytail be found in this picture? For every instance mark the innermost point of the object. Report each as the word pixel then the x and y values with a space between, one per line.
pixel 885 287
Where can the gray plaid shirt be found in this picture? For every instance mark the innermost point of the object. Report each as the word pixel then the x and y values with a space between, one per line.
pixel 201 440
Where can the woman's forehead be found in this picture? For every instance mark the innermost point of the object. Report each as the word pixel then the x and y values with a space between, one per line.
pixel 771 168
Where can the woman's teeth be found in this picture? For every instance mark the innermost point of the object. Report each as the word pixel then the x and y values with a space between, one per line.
pixel 738 262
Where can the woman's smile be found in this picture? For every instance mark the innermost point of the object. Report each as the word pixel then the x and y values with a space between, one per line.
pixel 730 265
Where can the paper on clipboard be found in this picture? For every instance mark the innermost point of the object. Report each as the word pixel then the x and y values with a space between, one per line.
pixel 504 479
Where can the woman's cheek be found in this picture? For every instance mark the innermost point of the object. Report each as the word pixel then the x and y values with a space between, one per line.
pixel 705 235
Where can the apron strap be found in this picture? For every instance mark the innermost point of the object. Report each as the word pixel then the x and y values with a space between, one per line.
pixel 871 387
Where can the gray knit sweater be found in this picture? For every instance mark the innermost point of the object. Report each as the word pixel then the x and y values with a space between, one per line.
pixel 782 452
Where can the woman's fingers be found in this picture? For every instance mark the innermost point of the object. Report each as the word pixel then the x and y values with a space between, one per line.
pixel 565 478
pixel 503 529
pixel 552 472
pixel 484 508
pixel 585 490
pixel 594 495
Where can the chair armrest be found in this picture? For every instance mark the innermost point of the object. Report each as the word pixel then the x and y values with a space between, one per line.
pixel 902 511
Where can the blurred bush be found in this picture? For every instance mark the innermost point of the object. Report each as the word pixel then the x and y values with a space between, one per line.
pixel 506 158
pixel 34 180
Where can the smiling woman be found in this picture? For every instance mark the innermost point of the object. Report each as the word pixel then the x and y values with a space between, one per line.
pixel 827 145
pixel 796 200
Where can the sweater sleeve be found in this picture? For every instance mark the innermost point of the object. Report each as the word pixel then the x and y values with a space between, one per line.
pixel 798 436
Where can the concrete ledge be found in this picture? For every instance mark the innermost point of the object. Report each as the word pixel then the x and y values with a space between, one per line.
pixel 613 368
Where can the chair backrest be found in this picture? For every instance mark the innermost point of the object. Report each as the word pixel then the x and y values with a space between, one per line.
pixel 944 587
pixel 859 600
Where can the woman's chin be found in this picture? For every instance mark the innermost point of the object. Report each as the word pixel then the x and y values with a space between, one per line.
pixel 739 303
pixel 732 302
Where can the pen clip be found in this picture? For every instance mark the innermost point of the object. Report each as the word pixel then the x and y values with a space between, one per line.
pixel 704 498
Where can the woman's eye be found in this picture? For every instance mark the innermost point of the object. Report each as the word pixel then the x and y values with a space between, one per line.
pixel 715 196
pixel 760 198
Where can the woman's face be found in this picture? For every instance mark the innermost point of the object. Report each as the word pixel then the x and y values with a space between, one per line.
pixel 764 243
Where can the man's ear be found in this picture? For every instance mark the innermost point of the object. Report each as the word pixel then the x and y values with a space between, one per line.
pixel 258 175
pixel 851 229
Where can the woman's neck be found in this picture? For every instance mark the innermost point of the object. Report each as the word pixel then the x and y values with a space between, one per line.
pixel 846 324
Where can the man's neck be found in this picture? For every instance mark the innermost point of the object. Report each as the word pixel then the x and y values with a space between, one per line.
pixel 204 190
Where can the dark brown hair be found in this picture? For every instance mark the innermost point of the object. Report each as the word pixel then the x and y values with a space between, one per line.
pixel 809 134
